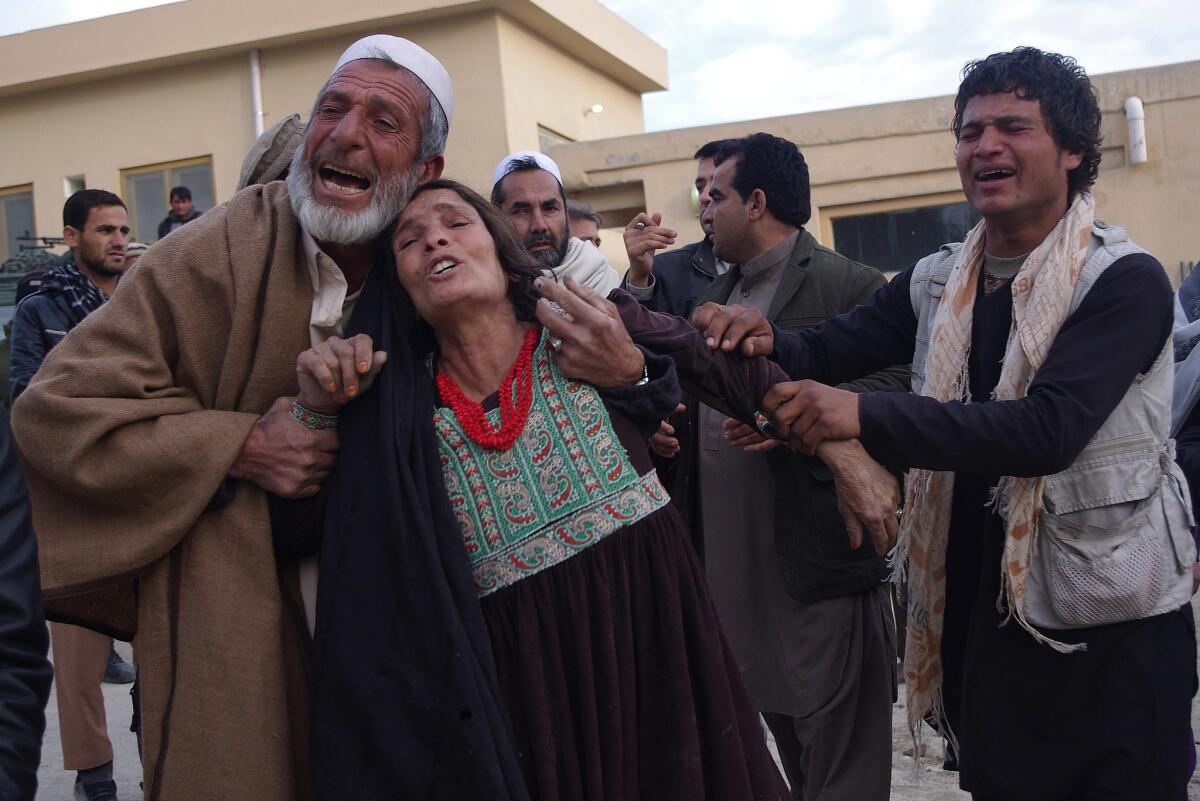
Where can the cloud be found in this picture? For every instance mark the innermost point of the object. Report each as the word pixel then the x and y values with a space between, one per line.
pixel 24 16
pixel 776 57
pixel 785 57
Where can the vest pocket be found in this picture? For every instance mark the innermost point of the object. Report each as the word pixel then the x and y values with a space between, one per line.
pixel 1118 558
pixel 1105 575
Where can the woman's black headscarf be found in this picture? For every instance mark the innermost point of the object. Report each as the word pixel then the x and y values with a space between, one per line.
pixel 405 700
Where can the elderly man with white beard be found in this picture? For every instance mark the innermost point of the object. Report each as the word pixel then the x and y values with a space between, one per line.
pixel 156 440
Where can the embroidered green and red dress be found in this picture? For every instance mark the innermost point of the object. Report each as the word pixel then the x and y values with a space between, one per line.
pixel 609 652
pixel 563 486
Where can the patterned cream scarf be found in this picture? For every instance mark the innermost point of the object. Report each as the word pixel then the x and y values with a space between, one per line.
pixel 1041 297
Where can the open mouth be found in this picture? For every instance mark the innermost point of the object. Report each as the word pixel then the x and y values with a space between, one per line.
pixel 540 242
pixel 339 179
pixel 993 176
pixel 443 266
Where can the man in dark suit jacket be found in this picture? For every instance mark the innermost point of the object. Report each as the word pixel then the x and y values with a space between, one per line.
pixel 808 617
pixel 671 282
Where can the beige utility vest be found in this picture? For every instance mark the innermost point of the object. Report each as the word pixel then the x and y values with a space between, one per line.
pixel 1114 539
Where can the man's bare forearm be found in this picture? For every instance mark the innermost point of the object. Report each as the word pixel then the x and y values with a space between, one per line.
pixel 868 495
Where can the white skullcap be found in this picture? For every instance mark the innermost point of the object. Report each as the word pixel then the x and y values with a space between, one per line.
pixel 412 57
pixel 508 164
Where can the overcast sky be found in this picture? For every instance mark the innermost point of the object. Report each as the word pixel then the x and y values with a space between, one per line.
pixel 791 56
pixel 787 57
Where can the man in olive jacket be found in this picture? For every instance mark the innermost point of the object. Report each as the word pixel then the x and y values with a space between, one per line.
pixel 809 619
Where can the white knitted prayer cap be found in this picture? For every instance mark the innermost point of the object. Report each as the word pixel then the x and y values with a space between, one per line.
pixel 508 164
pixel 413 58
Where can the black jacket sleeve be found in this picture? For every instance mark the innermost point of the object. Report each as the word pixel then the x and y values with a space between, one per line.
pixel 647 404
pixel 896 378
pixel 24 669
pixel 1115 334
pixel 28 347
pixel 677 283
pixel 1187 454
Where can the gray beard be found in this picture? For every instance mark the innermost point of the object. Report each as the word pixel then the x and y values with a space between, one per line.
pixel 550 259
pixel 331 224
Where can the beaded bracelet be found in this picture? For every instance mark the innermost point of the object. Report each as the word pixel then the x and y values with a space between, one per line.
pixel 314 420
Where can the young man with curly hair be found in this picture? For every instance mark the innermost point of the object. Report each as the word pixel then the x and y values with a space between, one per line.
pixel 1046 529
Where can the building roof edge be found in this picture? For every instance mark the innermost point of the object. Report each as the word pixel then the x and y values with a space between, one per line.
pixel 195 30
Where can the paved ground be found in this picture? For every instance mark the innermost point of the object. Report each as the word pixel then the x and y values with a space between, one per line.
pixel 929 783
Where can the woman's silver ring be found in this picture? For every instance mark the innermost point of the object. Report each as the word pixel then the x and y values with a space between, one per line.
pixel 555 343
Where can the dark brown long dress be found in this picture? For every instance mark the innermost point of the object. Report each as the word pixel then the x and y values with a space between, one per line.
pixel 611 660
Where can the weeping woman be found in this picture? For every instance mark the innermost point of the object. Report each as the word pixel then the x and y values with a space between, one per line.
pixel 610 665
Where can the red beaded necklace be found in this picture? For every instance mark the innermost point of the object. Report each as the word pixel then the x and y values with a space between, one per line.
pixel 513 413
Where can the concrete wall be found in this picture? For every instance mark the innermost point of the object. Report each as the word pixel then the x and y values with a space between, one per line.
pixel 98 128
pixel 545 86
pixel 1159 201
pixel 901 155
pixel 516 64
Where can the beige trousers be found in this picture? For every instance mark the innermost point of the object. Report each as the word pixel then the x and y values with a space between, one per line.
pixel 80 657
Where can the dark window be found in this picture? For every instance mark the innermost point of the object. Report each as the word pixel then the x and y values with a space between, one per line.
pixel 16 220
pixel 893 240
pixel 147 193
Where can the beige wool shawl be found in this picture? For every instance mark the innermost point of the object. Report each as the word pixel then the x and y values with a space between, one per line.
pixel 127 433
pixel 1041 292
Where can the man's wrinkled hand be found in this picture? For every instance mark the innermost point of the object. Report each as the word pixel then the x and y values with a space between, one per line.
pixel 589 340
pixel 868 495
pixel 336 371
pixel 746 437
pixel 729 327
pixel 284 457
pixel 641 244
pixel 807 413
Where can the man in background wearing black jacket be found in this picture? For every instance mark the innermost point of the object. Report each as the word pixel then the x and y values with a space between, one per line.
pixel 96 229
pixel 24 669
pixel 670 282
pixel 181 211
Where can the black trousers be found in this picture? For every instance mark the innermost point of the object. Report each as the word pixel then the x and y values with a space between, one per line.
pixel 1111 723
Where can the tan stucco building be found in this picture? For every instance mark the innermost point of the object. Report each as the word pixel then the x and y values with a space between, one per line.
pixel 138 102
pixel 141 101
pixel 875 168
